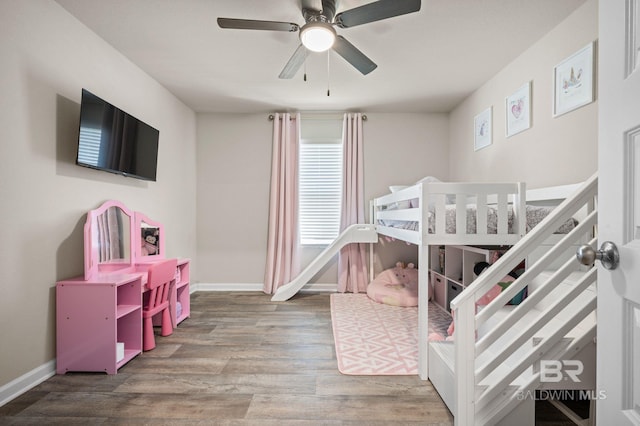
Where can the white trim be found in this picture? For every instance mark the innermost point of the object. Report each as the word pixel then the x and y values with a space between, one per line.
pixel 309 288
pixel 33 378
pixel 227 287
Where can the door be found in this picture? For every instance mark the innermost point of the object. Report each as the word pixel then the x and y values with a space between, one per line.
pixel 618 377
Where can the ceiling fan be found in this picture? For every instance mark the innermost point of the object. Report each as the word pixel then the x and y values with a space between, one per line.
pixel 318 33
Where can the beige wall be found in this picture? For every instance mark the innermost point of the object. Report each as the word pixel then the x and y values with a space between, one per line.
pixel 400 150
pixel 555 150
pixel 234 166
pixel 233 169
pixel 47 58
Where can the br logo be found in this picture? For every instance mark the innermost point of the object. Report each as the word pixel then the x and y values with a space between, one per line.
pixel 553 371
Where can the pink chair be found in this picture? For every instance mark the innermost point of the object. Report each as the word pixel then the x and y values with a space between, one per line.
pixel 160 275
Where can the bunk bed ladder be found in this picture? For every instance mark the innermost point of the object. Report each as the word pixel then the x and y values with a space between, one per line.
pixel 497 374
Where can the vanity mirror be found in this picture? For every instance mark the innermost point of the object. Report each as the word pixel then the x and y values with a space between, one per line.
pixel 108 239
pixel 148 239
pixel 99 316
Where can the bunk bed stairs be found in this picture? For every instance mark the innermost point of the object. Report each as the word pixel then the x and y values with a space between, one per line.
pixel 502 354
pixel 359 233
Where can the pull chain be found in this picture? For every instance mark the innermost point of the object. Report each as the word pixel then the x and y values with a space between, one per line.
pixel 305 68
pixel 328 74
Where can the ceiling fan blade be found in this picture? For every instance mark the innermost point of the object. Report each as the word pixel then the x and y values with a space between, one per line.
pixel 295 62
pixel 352 55
pixel 248 24
pixel 376 11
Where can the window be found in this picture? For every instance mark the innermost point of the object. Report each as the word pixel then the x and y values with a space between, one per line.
pixel 320 185
pixel 89 150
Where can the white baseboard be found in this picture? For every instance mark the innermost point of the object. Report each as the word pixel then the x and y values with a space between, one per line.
pixel 33 378
pixel 38 375
pixel 309 288
pixel 227 286
pixel 320 288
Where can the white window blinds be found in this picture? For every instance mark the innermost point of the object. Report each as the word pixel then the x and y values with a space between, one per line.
pixel 89 150
pixel 320 190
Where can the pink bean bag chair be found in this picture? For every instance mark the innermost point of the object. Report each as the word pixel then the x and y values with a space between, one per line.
pixel 396 286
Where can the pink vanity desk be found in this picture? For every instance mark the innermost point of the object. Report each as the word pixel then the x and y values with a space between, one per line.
pixel 99 315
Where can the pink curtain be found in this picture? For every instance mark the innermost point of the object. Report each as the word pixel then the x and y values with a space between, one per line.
pixel 109 231
pixel 282 245
pixel 352 265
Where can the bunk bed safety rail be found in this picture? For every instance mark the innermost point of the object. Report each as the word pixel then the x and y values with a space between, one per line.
pixel 405 194
pixel 412 213
pixel 472 394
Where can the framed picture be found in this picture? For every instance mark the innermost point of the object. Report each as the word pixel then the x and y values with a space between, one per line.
pixel 573 81
pixel 518 108
pixel 482 129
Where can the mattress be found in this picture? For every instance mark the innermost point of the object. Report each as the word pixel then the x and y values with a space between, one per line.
pixel 535 214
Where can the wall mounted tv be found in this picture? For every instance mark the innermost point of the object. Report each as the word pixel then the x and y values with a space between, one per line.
pixel 114 141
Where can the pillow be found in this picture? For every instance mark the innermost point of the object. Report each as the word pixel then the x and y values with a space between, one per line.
pixel 449 199
pixel 405 204
pixel 428 179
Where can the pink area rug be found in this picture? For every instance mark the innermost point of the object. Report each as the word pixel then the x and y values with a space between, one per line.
pixel 377 339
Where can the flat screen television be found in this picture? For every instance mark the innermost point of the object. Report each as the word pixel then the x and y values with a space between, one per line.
pixel 114 141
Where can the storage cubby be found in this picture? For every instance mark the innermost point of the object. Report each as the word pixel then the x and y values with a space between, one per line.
pixel 128 297
pixel 92 317
pixel 130 335
pixel 182 311
pixel 439 283
pixel 451 269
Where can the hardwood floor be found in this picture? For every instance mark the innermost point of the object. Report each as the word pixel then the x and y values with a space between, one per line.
pixel 239 360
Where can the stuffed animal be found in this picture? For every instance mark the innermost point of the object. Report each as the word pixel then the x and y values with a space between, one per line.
pixel 502 285
pixel 149 244
pixel 486 298
pixel 396 286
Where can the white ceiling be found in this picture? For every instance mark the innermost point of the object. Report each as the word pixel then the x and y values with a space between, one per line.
pixel 428 61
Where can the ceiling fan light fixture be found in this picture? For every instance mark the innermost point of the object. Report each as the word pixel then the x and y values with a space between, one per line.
pixel 317 36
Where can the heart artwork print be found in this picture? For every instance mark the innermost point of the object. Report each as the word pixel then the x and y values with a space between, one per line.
pixel 516 108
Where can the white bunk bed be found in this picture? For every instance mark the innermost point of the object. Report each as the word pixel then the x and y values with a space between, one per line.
pixel 494 214
pixel 427 214
pixel 418 215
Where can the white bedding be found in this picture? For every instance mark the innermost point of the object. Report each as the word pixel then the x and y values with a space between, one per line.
pixel 535 214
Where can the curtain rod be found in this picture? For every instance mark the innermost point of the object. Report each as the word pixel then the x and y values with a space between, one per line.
pixel 271 117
